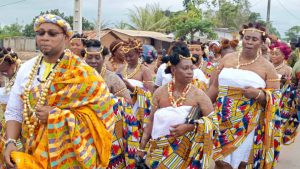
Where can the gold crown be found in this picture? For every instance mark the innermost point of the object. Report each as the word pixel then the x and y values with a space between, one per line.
pixel 254 30
pixel 93 53
pixel 8 56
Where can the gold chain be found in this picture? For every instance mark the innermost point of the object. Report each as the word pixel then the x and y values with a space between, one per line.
pixel 136 69
pixel 245 64
pixel 29 112
pixel 103 71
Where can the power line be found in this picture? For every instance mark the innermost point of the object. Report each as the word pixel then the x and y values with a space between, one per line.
pixel 296 17
pixel 12 3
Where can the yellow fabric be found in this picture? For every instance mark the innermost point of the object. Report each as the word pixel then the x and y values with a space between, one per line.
pixel 48 67
pixel 79 130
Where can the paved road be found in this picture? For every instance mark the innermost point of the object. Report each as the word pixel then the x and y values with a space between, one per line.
pixel 290 156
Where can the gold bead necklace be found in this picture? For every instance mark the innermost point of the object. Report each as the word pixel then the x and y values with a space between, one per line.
pixel 29 112
pixel 245 64
pixel 136 69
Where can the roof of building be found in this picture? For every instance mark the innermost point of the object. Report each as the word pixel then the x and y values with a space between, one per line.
pixel 132 33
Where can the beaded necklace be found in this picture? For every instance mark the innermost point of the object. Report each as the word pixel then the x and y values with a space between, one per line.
pixel 136 69
pixel 29 112
pixel 245 64
pixel 182 98
pixel 103 71
pixel 10 83
pixel 40 64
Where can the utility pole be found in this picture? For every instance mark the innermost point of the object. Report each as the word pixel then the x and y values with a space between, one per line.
pixel 268 15
pixel 77 18
pixel 98 29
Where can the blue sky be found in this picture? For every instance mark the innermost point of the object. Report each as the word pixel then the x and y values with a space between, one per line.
pixel 284 13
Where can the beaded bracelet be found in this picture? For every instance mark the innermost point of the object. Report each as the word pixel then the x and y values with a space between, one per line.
pixel 142 150
pixel 10 140
pixel 120 91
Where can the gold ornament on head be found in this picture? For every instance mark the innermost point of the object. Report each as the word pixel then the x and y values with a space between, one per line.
pixel 116 46
pixel 254 30
pixel 186 58
pixel 93 53
pixel 127 47
pixel 8 56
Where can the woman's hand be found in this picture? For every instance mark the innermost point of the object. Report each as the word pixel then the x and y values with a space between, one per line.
pixel 251 92
pixel 180 129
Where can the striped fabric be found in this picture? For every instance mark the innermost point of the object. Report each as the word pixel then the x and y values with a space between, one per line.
pixel 144 99
pixel 290 113
pixel 238 116
pixel 193 150
pixel 125 136
pixel 79 130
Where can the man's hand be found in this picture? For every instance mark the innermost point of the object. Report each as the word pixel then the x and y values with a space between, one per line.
pixel 42 113
pixel 7 152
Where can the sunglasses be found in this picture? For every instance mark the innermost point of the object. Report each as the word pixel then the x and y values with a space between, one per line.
pixel 50 33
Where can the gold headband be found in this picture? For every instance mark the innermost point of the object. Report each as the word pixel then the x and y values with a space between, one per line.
pixel 254 30
pixel 126 49
pixel 93 53
pixel 186 58
pixel 8 56
pixel 117 45
pixel 78 39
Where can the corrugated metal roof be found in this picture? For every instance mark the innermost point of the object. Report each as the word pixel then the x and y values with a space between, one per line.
pixel 132 33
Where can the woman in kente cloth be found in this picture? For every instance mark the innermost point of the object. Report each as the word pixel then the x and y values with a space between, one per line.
pixel 77 44
pixel 199 78
pixel 116 60
pixel 214 56
pixel 125 136
pixel 138 80
pixel 9 66
pixel 247 94
pixel 289 102
pixel 178 136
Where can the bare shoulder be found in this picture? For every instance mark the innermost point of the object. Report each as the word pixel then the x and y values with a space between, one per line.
pixel 145 68
pixel 269 68
pixel 229 59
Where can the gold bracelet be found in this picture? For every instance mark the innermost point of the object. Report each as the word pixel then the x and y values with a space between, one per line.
pixel 135 90
pixel 120 91
pixel 149 81
pixel 142 150
pixel 273 80
pixel 259 93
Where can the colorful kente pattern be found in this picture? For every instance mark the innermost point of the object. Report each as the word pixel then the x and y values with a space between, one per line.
pixel 79 129
pixel 290 113
pixel 238 116
pixel 199 84
pixel 144 108
pixel 2 131
pixel 192 150
pixel 125 137
pixel 210 67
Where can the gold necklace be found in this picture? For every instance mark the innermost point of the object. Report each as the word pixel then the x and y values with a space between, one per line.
pixel 245 64
pixel 182 98
pixel 136 69
pixel 29 112
pixel 103 71
pixel 280 66
pixel 11 82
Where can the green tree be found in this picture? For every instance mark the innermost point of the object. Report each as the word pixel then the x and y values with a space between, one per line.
pixel 148 18
pixel 121 25
pixel 191 22
pixel 11 30
pixel 292 33
pixel 29 32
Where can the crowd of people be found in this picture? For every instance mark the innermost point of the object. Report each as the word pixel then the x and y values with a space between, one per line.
pixel 80 104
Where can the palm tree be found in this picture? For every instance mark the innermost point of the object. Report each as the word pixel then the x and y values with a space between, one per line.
pixel 148 18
